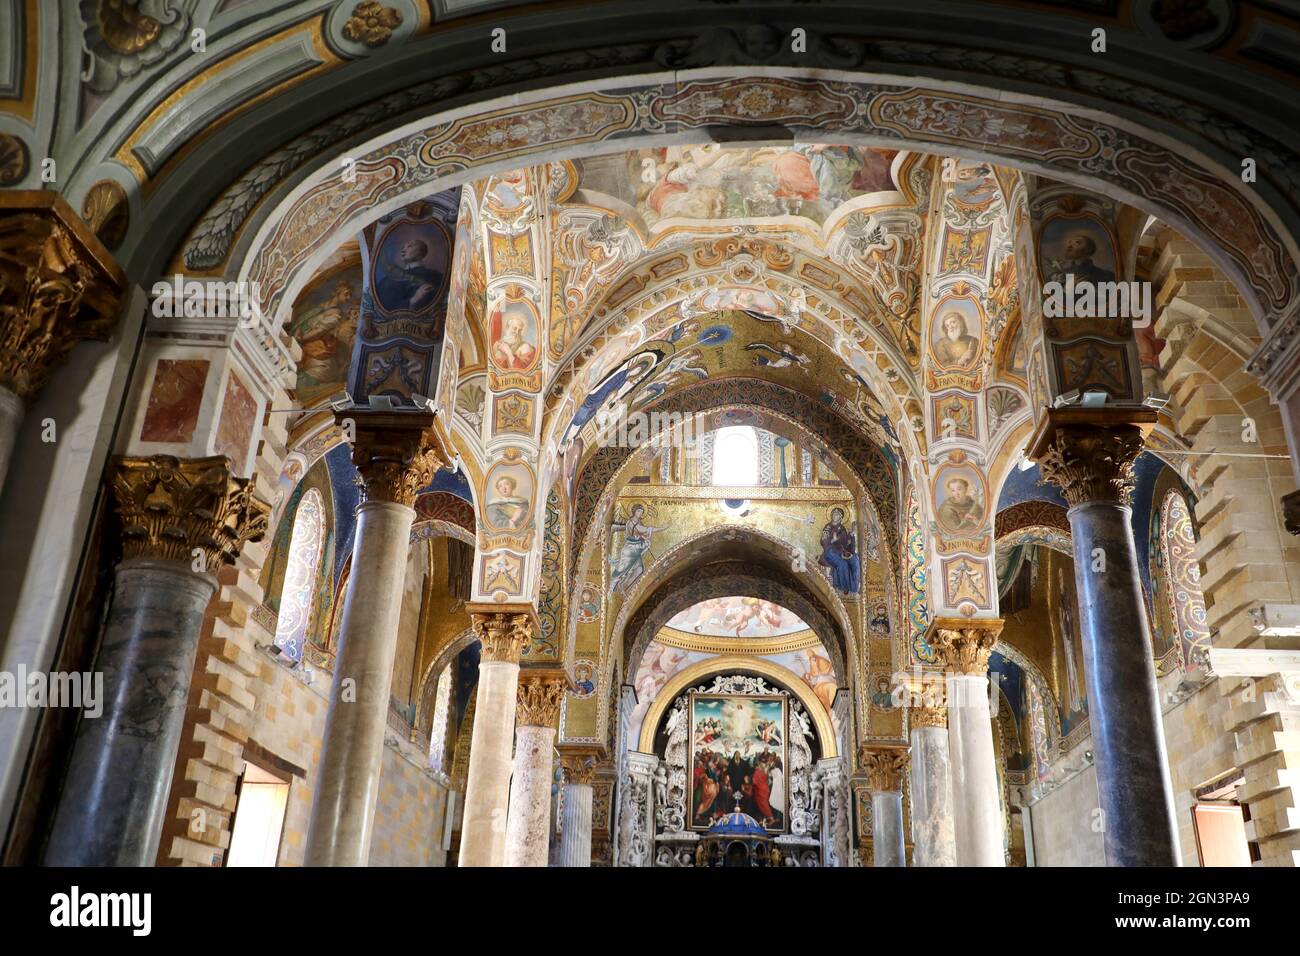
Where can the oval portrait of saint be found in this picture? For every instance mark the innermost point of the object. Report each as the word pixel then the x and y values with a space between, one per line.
pixel 955 331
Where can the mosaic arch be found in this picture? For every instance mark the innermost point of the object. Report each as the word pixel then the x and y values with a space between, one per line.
pixel 862 459
pixel 1050 139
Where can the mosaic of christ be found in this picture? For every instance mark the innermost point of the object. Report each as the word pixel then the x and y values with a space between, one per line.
pixel 738 759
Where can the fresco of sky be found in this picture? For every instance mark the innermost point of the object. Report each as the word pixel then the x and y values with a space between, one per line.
pixel 737 617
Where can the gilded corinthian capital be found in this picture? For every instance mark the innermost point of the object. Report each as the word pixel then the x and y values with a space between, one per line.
pixel 540 693
pixel 964 645
pixel 1089 452
pixel 503 634
pixel 171 506
pixel 884 765
pixel 397 453
pixel 58 286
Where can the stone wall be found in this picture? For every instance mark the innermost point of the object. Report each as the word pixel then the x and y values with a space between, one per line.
pixel 1065 821
pixel 410 813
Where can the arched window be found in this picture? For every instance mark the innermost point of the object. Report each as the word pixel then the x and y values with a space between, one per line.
pixel 1183 581
pixel 735 456
pixel 300 575
pixel 441 707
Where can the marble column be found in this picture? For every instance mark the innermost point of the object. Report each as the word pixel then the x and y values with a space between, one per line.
pixel 831 775
pixel 579 766
pixel 933 838
pixel 1089 453
pixel 636 834
pixel 964 646
pixel 58 286
pixel 396 454
pixel 885 766
pixel 181 521
pixel 503 636
pixel 536 713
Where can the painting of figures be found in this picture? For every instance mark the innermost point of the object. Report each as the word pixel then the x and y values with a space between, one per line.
pixel 711 181
pixel 324 322
pixel 737 617
pixel 738 759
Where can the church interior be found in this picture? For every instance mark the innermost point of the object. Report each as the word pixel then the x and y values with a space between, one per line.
pixel 422 454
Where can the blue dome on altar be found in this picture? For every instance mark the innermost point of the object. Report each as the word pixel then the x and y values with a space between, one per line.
pixel 737 824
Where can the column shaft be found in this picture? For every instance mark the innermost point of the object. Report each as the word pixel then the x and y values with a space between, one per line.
pixel 1090 453
pixel 115 794
pixel 575 826
pixel 487 784
pixel 977 804
pixel 887 840
pixel 344 809
pixel 932 807
pixel 530 797
pixel 1133 782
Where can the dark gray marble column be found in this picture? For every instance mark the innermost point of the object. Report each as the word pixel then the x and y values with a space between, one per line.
pixel 181 519
pixel 1090 453
pixel 115 794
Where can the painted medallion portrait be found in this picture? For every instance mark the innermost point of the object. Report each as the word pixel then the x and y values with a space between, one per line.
pixel 509 496
pixel 1080 246
pixel 411 272
pixel 959 500
pixel 513 338
pixel 955 330
pixel 738 759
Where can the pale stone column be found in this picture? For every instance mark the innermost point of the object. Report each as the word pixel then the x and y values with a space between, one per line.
pixel 397 455
pixel 503 636
pixel 1089 453
pixel 58 286
pixel 935 843
pixel 173 513
pixel 965 646
pixel 538 710
pixel 885 766
pixel 579 767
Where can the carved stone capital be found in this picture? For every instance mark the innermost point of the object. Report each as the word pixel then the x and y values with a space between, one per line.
pixel 929 717
pixel 503 634
pixel 540 693
pixel 964 645
pixel 397 453
pixel 884 765
pixel 579 764
pixel 1089 452
pixel 171 506
pixel 58 286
